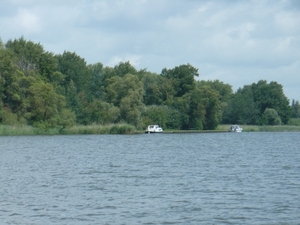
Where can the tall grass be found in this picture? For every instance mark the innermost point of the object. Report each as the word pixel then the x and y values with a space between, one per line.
pixel 283 128
pixel 14 130
pixel 11 130
pixel 256 128
pixel 99 129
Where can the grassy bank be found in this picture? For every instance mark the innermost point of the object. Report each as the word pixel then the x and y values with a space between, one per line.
pixel 253 128
pixel 98 129
pixel 11 130
pixel 14 130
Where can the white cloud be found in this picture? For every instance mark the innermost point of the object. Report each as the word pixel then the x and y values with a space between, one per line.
pixel 236 42
pixel 133 59
pixel 288 22
pixel 28 21
pixel 23 21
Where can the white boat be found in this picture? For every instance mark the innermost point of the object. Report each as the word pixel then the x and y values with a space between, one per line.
pixel 235 128
pixel 154 129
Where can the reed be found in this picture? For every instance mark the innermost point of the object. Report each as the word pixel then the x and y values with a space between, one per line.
pixel 14 130
pixel 100 129
pixel 283 128
pixel 256 128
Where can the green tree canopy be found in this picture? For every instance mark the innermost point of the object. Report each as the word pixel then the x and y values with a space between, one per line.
pixel 296 109
pixel 250 102
pixel 47 90
pixel 270 117
pixel 124 68
pixel 224 90
pixel 182 78
pixel 242 108
pixel 120 87
pixel 32 57
pixel 157 89
pixel 74 68
pixel 45 107
pixel 271 96
pixel 205 109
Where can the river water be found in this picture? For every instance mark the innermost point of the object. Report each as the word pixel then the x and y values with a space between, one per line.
pixel 215 178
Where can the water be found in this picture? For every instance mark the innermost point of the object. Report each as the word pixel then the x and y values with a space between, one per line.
pixel 222 178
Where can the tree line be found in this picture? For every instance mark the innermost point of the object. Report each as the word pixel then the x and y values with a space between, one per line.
pixel 49 90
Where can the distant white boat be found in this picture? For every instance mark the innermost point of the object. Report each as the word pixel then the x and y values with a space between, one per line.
pixel 154 129
pixel 235 128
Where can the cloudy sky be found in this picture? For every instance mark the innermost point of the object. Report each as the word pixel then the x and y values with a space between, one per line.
pixel 238 42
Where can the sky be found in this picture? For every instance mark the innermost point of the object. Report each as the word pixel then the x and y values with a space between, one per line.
pixel 238 42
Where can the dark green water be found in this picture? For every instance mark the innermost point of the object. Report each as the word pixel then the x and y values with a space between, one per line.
pixel 221 178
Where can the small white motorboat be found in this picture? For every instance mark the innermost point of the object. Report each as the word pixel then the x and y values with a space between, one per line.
pixel 154 129
pixel 235 128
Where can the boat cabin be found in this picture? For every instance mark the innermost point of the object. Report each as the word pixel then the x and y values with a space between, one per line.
pixel 235 128
pixel 154 129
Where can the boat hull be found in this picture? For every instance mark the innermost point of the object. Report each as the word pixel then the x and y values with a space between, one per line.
pixel 153 132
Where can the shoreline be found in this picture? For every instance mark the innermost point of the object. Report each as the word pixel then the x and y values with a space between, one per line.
pixel 25 130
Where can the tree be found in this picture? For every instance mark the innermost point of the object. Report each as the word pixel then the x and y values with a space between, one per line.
pixel 157 89
pixel 45 108
pixel 119 87
pixel 270 117
pixel 182 78
pixel 32 57
pixel 182 105
pixel 224 91
pixel 1 44
pixel 97 80
pixel 127 94
pixel 205 110
pixel 250 102
pixel 130 107
pixel 167 117
pixel 74 68
pixel 124 68
pixel 109 113
pixel 155 115
pixel 296 109
pixel 96 111
pixel 242 108
pixel 8 76
pixel 42 104
pixel 66 118
pixel 26 52
pixel 271 96
pixel 8 117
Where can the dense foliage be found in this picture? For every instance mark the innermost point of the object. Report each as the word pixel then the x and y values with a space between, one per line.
pixel 45 90
pixel 258 104
pixel 295 109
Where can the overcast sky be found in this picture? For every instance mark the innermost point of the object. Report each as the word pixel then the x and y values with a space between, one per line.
pixel 238 42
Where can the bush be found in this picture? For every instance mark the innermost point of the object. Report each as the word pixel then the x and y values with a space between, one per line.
pixel 7 117
pixel 294 122
pixel 270 117
pixel 122 129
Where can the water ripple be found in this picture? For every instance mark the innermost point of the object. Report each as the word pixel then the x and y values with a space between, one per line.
pixel 248 178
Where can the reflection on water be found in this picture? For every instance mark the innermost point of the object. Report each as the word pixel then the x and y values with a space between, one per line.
pixel 245 178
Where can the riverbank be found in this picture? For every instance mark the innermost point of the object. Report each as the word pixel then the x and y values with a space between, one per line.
pixel 246 128
pixel 14 130
pixel 254 128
